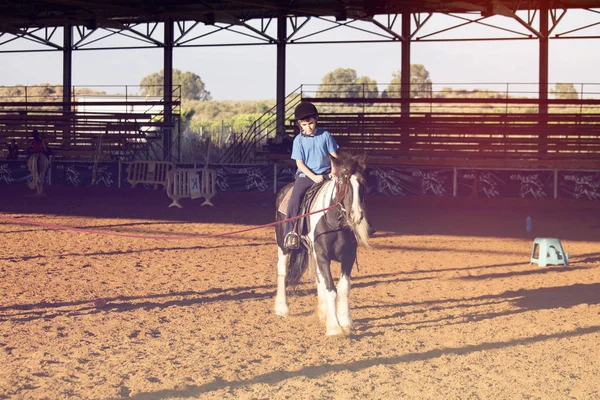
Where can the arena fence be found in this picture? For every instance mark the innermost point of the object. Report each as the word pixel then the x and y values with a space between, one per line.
pixel 383 180
pixel 191 183
pixel 148 172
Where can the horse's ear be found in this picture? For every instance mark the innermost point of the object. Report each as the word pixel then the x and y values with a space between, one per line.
pixel 361 160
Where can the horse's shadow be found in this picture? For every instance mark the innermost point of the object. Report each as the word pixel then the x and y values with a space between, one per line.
pixel 538 271
pixel 521 301
pixel 28 312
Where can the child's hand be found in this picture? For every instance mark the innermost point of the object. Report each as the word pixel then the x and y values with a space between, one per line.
pixel 318 178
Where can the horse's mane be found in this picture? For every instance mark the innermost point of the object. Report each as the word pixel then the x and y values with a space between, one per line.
pixel 355 164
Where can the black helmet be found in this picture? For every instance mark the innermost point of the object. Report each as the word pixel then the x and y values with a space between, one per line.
pixel 35 133
pixel 305 109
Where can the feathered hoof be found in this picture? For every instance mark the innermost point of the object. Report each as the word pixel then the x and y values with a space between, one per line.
pixel 282 310
pixel 335 331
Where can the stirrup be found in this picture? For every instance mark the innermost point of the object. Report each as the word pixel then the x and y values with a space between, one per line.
pixel 291 241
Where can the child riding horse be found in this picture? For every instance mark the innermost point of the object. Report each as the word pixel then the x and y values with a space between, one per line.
pixel 333 233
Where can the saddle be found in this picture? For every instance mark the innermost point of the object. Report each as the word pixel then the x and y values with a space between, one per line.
pixel 307 201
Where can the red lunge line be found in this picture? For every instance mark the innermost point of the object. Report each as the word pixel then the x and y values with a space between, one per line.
pixel 83 230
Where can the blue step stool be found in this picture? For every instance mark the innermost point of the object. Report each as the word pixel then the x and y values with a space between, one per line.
pixel 550 252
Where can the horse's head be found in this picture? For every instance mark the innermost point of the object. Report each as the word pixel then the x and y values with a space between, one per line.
pixel 351 179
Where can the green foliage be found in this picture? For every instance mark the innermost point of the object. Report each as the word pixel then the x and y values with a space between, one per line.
pixel 225 109
pixel 192 87
pixel 368 87
pixel 565 91
pixel 447 92
pixel 44 92
pixel 420 83
pixel 343 82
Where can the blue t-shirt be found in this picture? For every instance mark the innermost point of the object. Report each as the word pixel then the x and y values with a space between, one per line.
pixel 314 150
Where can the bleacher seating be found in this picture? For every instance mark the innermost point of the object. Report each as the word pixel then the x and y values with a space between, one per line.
pixel 74 135
pixel 469 138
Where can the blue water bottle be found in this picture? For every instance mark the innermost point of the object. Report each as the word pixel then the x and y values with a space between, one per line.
pixel 528 224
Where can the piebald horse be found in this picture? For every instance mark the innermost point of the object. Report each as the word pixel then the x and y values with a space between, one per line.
pixel 38 164
pixel 333 235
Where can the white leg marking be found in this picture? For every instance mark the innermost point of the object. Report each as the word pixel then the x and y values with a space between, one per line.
pixel 281 306
pixel 343 306
pixel 332 324
pixel 322 306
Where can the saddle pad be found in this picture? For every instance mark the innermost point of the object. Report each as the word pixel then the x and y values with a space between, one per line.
pixel 284 202
pixel 309 197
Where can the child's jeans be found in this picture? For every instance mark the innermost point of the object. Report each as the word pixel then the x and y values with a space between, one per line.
pixel 301 185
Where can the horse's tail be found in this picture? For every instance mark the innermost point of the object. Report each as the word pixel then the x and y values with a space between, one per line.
pixel 298 259
pixel 298 263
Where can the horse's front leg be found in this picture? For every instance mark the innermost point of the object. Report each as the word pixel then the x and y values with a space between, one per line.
pixel 327 290
pixel 281 306
pixel 343 305
pixel 322 304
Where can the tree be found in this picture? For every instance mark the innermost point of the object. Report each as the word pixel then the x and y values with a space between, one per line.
pixel 192 87
pixel 368 87
pixel 565 91
pixel 420 83
pixel 343 82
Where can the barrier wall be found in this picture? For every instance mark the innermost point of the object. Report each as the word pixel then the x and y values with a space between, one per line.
pixel 148 172
pixel 383 180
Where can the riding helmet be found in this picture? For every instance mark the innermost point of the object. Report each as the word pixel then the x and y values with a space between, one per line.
pixel 305 109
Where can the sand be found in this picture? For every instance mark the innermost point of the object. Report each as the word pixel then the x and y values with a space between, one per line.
pixel 445 304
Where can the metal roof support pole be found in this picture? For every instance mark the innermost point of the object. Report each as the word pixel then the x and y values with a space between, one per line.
pixel 280 91
pixel 405 80
pixel 67 79
pixel 543 82
pixel 168 89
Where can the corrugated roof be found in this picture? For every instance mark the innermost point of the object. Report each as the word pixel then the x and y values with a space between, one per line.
pixel 35 13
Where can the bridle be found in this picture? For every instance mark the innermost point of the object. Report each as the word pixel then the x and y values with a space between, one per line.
pixel 342 187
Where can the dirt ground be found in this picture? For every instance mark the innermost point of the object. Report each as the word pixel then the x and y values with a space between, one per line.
pixel 445 304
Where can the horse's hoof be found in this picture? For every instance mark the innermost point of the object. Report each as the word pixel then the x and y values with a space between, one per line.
pixel 345 323
pixel 282 311
pixel 334 331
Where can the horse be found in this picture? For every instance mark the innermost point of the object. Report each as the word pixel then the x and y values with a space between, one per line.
pixel 333 232
pixel 38 164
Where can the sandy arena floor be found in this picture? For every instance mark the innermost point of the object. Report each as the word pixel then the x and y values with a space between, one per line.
pixel 446 305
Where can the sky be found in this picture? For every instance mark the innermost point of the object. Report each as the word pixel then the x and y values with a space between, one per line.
pixel 249 72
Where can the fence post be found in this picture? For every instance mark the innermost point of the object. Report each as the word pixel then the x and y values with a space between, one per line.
pixel 222 132
pixel 207 154
pixel 556 183
pixel 275 178
pixel 454 181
